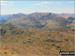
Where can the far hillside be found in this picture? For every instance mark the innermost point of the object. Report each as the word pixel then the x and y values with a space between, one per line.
pixel 40 20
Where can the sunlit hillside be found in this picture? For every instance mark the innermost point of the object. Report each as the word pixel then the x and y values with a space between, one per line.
pixel 17 40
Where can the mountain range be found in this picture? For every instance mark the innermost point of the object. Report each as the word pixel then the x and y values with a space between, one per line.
pixel 40 20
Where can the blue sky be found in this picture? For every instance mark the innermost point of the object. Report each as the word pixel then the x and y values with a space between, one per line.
pixel 13 7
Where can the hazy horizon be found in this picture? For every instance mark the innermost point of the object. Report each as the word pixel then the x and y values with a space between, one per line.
pixel 36 12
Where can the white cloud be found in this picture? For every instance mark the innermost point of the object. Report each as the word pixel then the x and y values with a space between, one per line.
pixel 3 3
pixel 43 4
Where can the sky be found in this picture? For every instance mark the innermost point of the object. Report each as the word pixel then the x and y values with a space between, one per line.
pixel 27 7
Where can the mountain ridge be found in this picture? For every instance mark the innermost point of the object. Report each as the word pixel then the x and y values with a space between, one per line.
pixel 38 20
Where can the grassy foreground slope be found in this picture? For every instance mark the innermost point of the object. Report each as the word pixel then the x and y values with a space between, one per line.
pixel 35 41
